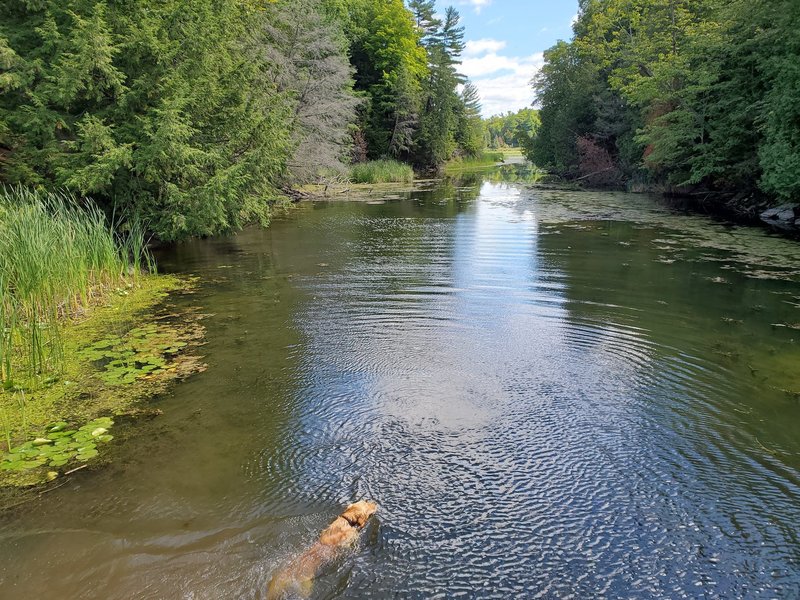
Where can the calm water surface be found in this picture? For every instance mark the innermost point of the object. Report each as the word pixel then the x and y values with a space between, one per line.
pixel 550 395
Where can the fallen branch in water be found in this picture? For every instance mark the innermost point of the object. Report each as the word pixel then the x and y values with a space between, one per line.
pixel 595 173
pixel 70 472
pixel 773 452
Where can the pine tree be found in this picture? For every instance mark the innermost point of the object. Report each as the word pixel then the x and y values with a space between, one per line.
pixel 470 127
pixel 436 140
pixel 424 12
pixel 308 62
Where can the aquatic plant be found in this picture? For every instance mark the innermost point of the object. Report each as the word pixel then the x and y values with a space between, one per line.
pixel 59 446
pixel 382 171
pixel 58 256
pixel 142 351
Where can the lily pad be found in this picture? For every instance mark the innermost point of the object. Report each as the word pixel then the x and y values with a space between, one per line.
pixel 142 352
pixel 60 446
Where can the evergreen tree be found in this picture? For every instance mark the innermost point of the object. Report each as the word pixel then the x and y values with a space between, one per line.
pixel 151 107
pixel 470 132
pixel 436 140
pixel 389 65
pixel 194 114
pixel 424 12
pixel 307 61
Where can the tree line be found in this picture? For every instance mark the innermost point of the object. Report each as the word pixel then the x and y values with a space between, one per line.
pixel 691 94
pixel 512 129
pixel 194 115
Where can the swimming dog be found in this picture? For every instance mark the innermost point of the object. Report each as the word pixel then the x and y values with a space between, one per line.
pixel 297 578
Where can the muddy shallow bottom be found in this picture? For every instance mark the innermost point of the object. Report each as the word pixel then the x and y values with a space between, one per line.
pixel 548 394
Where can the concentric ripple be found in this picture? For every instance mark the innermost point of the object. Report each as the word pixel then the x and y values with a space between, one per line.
pixel 542 406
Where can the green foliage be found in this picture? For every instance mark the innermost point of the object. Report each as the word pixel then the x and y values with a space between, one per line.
pixel 390 65
pixel 141 352
pixel 381 171
pixel 59 446
pixel 57 257
pixel 152 107
pixel 405 62
pixel 515 130
pixel 481 160
pixel 565 86
pixel 777 50
pixel 192 116
pixel 470 132
pixel 700 92
pixel 436 141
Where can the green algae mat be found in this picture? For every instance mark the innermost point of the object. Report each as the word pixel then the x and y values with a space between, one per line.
pixel 116 358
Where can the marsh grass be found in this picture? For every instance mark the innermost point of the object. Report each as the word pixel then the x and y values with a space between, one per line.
pixel 58 257
pixel 382 171
pixel 485 159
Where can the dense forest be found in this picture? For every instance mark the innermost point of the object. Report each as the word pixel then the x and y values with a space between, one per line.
pixel 687 95
pixel 194 115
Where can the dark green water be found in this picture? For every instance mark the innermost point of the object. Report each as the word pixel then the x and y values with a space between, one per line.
pixel 550 395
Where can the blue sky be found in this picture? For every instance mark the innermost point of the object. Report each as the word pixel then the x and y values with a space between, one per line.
pixel 505 41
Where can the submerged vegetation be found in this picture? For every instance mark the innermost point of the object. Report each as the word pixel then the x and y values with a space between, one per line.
pixel 70 291
pixel 198 118
pixel 117 354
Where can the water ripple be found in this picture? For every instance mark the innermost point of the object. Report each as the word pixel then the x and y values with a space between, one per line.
pixel 541 408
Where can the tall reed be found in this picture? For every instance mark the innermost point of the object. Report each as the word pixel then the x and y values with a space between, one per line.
pixel 58 256
pixel 382 171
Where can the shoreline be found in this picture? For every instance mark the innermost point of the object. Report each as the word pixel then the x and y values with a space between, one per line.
pixel 712 204
pixel 121 354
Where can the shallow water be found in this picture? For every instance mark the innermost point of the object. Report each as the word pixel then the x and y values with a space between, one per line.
pixel 549 394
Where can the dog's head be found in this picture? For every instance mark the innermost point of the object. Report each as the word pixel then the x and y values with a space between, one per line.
pixel 359 513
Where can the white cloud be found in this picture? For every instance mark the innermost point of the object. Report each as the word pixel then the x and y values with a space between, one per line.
pixel 476 4
pixel 503 81
pixel 475 47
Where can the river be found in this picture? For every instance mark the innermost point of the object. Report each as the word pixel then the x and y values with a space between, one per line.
pixel 550 394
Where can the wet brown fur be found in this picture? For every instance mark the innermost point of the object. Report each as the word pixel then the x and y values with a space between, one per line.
pixel 297 577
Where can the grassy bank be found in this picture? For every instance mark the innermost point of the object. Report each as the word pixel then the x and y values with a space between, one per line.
pixel 382 171
pixel 57 259
pixel 79 342
pixel 485 159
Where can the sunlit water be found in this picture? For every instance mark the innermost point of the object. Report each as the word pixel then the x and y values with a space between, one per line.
pixel 550 395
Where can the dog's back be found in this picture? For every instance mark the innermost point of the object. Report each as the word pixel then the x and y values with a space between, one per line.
pixel 297 578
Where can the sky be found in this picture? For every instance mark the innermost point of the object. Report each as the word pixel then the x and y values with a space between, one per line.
pixel 505 41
